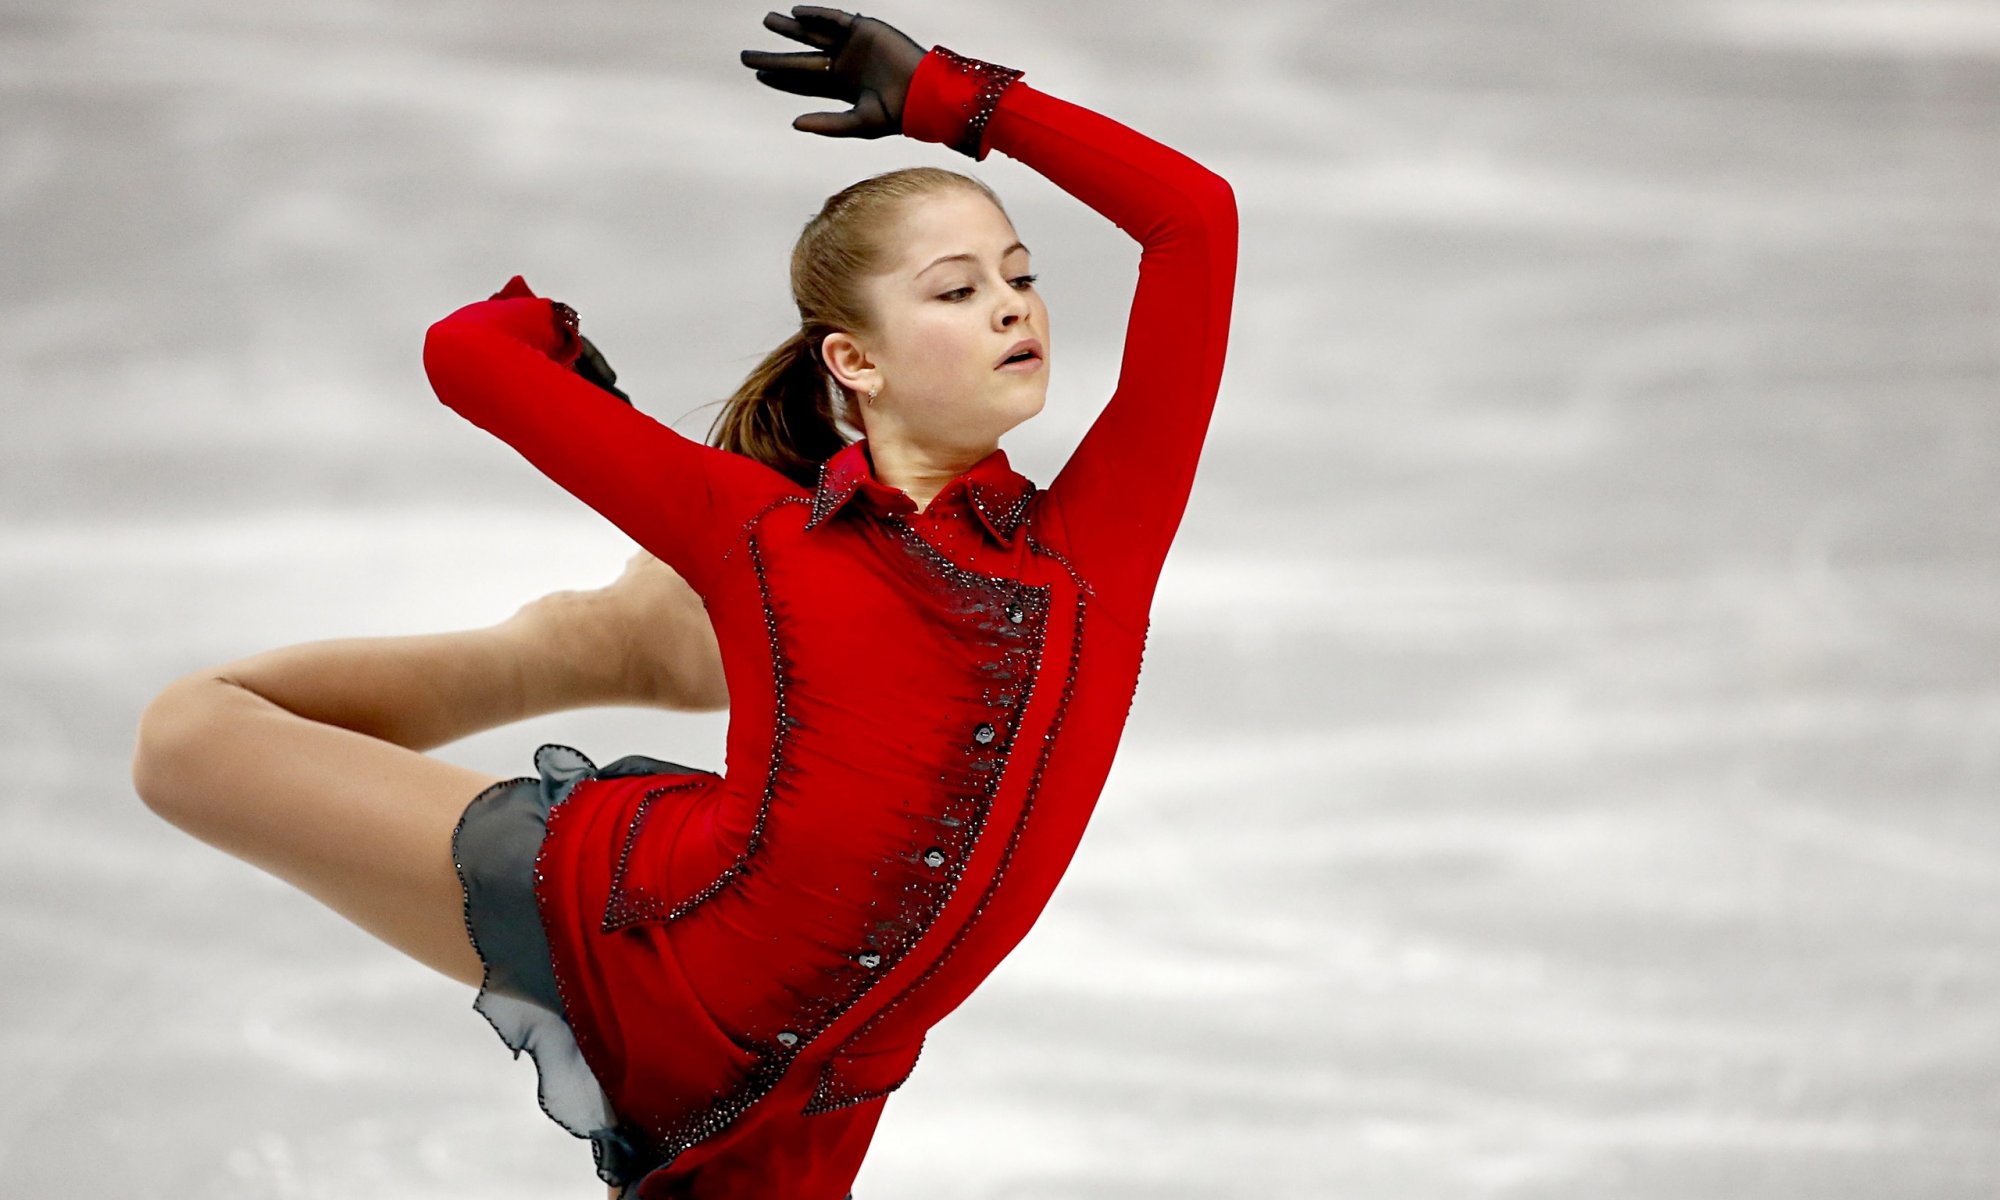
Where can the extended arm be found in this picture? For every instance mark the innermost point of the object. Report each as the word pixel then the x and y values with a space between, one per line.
pixel 505 365
pixel 1119 499
pixel 1121 495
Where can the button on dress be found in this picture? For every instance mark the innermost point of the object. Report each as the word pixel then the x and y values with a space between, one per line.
pixel 924 705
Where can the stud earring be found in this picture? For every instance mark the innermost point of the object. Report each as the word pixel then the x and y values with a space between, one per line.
pixel 873 390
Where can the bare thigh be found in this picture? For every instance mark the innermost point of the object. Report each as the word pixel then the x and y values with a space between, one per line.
pixel 363 825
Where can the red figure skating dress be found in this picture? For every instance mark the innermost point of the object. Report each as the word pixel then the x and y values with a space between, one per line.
pixel 923 709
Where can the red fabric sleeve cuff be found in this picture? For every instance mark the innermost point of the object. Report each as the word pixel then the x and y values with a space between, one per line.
pixel 950 99
pixel 550 326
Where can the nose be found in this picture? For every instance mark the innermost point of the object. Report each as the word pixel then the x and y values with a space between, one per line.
pixel 1016 308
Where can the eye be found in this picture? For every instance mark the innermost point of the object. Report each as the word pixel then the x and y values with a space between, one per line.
pixel 1022 281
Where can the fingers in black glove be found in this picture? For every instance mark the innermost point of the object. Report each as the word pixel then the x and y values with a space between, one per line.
pixel 861 60
pixel 591 365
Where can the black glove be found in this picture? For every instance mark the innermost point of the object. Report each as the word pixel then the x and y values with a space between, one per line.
pixel 860 60
pixel 591 365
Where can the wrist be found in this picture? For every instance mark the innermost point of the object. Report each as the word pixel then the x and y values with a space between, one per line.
pixel 550 326
pixel 952 97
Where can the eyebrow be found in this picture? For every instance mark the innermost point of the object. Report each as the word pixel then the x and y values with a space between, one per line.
pixel 974 258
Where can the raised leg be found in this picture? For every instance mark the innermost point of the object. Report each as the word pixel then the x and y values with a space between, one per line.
pixel 308 760
pixel 361 824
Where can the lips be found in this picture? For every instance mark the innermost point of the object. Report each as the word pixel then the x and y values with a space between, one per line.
pixel 1033 345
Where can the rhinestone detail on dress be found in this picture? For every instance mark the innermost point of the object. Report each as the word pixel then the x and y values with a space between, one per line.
pixel 566 326
pixel 993 80
pixel 831 1092
pixel 966 790
pixel 982 601
pixel 631 904
pixel 824 1098
pixel 782 724
pixel 1005 521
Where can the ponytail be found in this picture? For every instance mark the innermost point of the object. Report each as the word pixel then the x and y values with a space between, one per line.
pixel 783 414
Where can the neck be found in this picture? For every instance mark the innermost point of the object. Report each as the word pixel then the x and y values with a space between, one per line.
pixel 921 472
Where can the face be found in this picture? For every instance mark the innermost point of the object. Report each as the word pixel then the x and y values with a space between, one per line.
pixel 955 301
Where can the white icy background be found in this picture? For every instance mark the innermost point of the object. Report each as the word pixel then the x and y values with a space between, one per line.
pixel 1566 760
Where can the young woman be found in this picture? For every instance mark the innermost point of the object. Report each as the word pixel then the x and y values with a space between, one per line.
pixel 928 659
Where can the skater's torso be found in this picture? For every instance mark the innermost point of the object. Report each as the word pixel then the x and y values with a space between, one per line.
pixel 901 769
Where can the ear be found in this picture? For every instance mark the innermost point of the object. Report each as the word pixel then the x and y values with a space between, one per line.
pixel 848 361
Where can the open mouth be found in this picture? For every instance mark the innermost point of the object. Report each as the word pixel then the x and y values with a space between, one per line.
pixel 1025 351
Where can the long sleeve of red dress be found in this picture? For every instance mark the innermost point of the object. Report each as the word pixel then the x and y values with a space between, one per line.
pixel 924 705
pixel 506 365
pixel 1120 497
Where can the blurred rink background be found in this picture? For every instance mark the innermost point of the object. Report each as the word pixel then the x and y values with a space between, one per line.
pixel 1567 756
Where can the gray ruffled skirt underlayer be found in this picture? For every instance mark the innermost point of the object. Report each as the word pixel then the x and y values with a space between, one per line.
pixel 495 846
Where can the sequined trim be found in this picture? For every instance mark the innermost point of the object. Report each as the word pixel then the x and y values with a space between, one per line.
pixel 631 904
pixel 830 1092
pixel 1004 522
pixel 998 493
pixel 566 327
pixel 472 935
pixel 556 815
pixel 1005 613
pixel 782 724
pixel 751 522
pixel 982 604
pixel 837 481
pixel 651 1150
pixel 1020 825
pixel 623 1151
pixel 993 80
pixel 1011 611
pixel 771 1067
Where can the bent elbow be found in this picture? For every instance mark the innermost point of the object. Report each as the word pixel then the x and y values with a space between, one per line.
pixel 1202 212
pixel 1216 201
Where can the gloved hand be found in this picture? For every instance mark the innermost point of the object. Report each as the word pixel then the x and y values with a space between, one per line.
pixel 860 60
pixel 591 365
pixel 589 361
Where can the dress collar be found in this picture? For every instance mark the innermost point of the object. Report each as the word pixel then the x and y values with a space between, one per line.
pixel 995 493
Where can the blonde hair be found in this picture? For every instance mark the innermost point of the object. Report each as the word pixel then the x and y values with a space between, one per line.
pixel 788 411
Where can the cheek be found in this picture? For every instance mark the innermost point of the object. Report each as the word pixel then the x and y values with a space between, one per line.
pixel 942 344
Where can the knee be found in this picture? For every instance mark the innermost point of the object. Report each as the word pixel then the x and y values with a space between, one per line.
pixel 168 738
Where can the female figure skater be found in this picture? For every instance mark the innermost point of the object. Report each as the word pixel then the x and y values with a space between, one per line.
pixel 929 660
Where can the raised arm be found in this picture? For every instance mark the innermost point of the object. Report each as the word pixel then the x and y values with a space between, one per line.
pixel 1120 497
pixel 505 364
